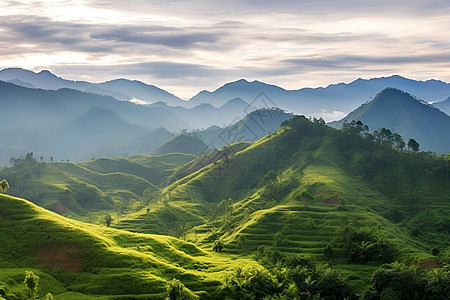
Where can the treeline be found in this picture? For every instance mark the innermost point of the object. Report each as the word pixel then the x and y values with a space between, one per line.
pixel 382 136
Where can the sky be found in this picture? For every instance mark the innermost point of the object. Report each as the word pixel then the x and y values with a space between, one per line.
pixel 188 46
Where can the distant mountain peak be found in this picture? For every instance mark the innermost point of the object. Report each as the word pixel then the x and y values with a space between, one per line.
pixel 407 115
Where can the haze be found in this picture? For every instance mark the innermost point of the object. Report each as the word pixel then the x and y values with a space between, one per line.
pixel 186 46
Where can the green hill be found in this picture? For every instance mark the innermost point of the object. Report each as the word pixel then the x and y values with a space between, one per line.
pixel 307 188
pixel 302 199
pixel 183 143
pixel 93 186
pixel 75 260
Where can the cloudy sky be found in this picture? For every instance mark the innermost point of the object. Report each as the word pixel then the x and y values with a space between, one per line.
pixel 187 46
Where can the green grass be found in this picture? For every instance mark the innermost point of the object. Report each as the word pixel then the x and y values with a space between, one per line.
pixel 107 261
pixel 400 197
pixel 352 181
pixel 79 188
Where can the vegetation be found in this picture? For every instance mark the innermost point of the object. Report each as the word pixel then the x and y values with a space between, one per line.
pixel 307 212
pixel 31 282
pixel 4 185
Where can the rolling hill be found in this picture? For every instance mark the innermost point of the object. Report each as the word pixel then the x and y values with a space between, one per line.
pixel 183 143
pixel 305 192
pixel 299 190
pixel 402 113
pixel 75 260
pixel 95 186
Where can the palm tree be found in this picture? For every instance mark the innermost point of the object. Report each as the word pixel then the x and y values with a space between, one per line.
pixel 4 185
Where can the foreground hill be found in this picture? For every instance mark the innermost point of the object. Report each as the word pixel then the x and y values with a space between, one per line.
pixel 402 113
pixel 75 260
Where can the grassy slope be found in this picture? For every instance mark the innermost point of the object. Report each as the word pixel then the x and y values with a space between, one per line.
pixel 385 191
pixel 74 258
pixel 78 188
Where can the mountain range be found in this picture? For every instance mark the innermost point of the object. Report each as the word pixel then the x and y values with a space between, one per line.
pixel 330 102
pixel 79 120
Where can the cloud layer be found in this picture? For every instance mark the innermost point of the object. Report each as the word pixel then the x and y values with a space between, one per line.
pixel 184 46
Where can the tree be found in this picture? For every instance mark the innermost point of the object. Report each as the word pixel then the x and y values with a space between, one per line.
pixel 399 142
pixel 177 291
pixel 108 220
pixel 413 145
pixel 306 198
pixel 31 281
pixel 355 128
pixel 29 158
pixel 49 296
pixel 4 185
pixel 218 246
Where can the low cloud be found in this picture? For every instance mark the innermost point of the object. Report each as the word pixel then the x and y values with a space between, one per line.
pixel 330 116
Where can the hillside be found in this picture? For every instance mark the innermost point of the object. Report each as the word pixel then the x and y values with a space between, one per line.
pixel 75 260
pixel 303 189
pixel 402 113
pixel 141 144
pixel 35 117
pixel 250 128
pixel 79 189
pixel 444 105
pixel 183 143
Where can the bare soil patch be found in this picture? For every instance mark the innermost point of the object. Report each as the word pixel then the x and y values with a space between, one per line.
pixel 60 256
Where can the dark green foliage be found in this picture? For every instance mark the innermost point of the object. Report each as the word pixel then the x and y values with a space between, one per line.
pixel 218 246
pixel 108 220
pixel 292 277
pixel 20 162
pixel 398 281
pixel 4 185
pixel 362 246
pixel 31 281
pixel 355 128
pixel 413 145
pixel 328 251
pixel 435 251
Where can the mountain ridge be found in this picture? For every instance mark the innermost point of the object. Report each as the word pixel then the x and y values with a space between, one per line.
pixel 410 117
